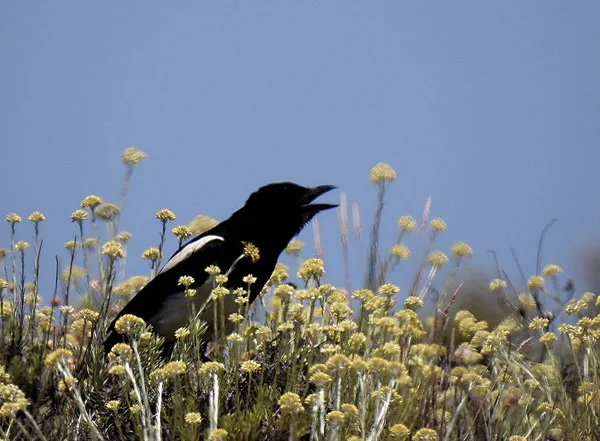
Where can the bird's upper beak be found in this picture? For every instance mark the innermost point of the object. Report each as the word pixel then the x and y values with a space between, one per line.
pixel 308 209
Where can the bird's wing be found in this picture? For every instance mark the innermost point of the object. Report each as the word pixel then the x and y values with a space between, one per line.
pixel 162 298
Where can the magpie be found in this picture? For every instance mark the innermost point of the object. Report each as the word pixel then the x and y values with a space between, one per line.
pixel 269 219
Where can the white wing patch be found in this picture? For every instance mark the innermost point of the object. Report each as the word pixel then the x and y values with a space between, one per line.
pixel 188 250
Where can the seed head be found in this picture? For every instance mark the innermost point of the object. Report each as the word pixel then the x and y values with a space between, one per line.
pixel 382 172
pixel 132 156
pixel 13 218
pixel 36 217
pixel 165 215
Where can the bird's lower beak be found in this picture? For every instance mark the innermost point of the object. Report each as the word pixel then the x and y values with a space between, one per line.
pixel 310 210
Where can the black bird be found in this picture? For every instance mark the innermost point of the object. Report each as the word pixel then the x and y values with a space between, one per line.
pixel 270 218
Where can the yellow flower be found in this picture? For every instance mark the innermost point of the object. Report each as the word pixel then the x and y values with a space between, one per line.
pixel 57 356
pixel 132 156
pixel 290 403
pixel 193 418
pixel 497 285
pixel 437 225
pixel 174 368
pixel 535 283
pixel 113 405
pixel 250 366
pixel 113 249
pixel 36 217
pixel 165 215
pixel 152 254
pixel 186 281
pixel 249 279
pixel 399 432
pixel 123 236
pixel 211 367
pixel 201 224
pixel 3 253
pixel 122 350
pixel 79 216
pixel 335 417
pixel 547 339
pixel 219 292
pixel 320 379
pixel 527 302
pixel 135 409
pixel 13 218
pixel 91 202
pixel 400 251
pixel 294 247
pixel 413 302
pixel 3 284
pixel 388 289
pixel 182 232
pixel 539 323
pixel 407 223
pixel 425 435
pixel 461 249
pixel 21 246
pixel 213 270
pixel 128 323
pixel 251 251
pixel 182 333
pixel 311 268
pixel 218 435
pixel 517 438
pixel 382 172
pixel 67 383
pixel 437 259
pixel 551 270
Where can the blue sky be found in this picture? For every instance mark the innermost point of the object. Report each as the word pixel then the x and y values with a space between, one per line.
pixel 492 110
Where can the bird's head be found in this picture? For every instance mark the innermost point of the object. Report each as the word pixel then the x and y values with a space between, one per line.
pixel 282 209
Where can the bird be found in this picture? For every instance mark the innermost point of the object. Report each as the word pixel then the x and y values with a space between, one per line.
pixel 270 218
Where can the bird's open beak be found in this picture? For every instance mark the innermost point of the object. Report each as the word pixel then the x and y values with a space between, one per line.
pixel 308 209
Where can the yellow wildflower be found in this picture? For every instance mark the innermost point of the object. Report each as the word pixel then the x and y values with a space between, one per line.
pixel 132 156
pixel 36 217
pixel 382 172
